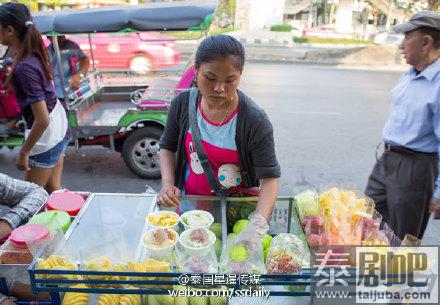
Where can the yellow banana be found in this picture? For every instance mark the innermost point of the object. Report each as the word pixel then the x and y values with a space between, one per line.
pixel 76 298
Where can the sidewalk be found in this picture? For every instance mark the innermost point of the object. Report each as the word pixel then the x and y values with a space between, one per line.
pixel 267 46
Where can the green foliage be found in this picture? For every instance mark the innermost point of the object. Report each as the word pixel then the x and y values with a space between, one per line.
pixel 195 34
pixel 227 7
pixel 331 40
pixel 281 27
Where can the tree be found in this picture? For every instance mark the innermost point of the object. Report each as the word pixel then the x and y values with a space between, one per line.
pixel 434 5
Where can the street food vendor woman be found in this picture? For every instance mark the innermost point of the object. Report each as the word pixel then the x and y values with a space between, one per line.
pixel 235 135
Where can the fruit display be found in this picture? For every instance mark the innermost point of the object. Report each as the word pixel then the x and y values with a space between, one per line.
pixel 241 257
pixel 240 226
pixel 196 264
pixel 340 217
pixel 165 299
pixel 218 246
pixel 197 251
pixel 100 263
pixel 163 219
pixel 108 299
pixel 76 298
pixel 130 299
pixel 160 238
pixel 197 219
pixel 236 211
pixel 55 262
pixel 216 228
pixel 197 238
pixel 285 254
pixel 238 253
pixel 283 263
pixel 307 204
pixel 148 265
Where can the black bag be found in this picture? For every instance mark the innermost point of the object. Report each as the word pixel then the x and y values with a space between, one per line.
pixel 194 97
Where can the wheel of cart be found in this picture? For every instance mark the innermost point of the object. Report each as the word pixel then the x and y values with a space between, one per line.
pixel 139 62
pixel 141 148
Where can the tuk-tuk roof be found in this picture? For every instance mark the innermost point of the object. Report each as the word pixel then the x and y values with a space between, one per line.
pixel 155 16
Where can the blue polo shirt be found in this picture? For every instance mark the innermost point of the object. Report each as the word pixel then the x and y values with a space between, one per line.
pixel 68 51
pixel 415 113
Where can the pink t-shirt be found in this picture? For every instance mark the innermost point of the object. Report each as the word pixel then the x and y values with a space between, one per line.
pixel 221 150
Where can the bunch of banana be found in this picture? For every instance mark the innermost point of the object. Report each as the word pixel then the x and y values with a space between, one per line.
pixel 109 299
pixel 76 298
pixel 55 262
pixel 130 299
pixel 98 264
pixel 119 268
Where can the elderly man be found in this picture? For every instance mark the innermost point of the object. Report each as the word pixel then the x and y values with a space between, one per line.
pixel 404 182
pixel 19 200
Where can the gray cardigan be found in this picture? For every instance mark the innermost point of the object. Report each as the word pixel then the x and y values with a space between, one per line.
pixel 254 139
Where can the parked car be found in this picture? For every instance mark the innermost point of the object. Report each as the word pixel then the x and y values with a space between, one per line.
pixel 136 52
pixel 325 32
pixel 388 38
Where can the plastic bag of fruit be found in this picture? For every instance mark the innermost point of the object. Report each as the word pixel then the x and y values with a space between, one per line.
pixel 286 254
pixel 244 251
pixel 307 204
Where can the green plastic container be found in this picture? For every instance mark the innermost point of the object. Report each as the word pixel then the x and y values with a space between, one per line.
pixel 54 220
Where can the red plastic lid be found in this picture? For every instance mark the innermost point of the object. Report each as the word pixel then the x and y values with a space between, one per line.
pixel 29 233
pixel 65 201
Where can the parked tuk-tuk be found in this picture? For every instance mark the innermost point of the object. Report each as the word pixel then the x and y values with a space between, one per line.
pixel 140 59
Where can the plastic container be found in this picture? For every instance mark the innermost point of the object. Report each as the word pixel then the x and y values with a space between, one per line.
pixel 12 255
pixel 200 214
pixel 16 251
pixel 157 215
pixel 197 250
pixel 29 234
pixel 55 221
pixel 65 201
pixel 156 251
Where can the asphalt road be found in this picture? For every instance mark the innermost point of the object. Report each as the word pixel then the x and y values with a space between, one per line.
pixel 327 124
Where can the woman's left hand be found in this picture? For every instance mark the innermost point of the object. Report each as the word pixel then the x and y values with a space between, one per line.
pixel 253 234
pixel 23 162
pixel 75 81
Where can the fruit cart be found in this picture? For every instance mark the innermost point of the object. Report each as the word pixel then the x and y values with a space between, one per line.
pixel 110 227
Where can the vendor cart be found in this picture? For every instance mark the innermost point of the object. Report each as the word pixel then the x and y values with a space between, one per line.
pixel 112 226
pixel 141 57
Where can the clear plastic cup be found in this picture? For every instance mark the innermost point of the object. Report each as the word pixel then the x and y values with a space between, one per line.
pixel 199 250
pixel 196 213
pixel 157 214
pixel 158 252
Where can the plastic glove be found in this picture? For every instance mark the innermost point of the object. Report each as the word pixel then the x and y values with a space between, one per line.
pixel 253 234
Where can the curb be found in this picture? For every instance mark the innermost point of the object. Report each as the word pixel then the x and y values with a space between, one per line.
pixel 334 64
pixel 267 42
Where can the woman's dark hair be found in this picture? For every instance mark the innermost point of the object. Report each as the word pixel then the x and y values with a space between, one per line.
pixel 17 16
pixel 434 33
pixel 220 46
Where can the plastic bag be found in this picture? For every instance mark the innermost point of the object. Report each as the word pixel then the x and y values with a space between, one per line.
pixel 243 255
pixel 159 244
pixel 195 252
pixel 307 204
pixel 286 254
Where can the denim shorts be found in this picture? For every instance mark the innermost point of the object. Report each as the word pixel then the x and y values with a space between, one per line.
pixel 49 158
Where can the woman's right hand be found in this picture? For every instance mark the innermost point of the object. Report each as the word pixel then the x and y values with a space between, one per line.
pixel 168 196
